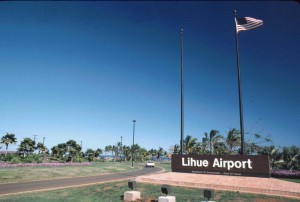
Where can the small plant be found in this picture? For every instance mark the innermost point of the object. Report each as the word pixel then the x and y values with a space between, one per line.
pixel 295 174
pixel 18 164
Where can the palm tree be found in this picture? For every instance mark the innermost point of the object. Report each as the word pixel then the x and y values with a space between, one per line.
pixel 98 152
pixel 160 152
pixel 198 148
pixel 74 150
pixel 27 146
pixel 119 150
pixel 90 155
pixel 205 146
pixel 135 151
pixel 143 152
pixel 152 152
pixel 115 150
pixel 253 145
pixel 233 140
pixel 107 149
pixel 214 140
pixel 176 149
pixel 126 152
pixel 41 147
pixel 189 144
pixel 8 139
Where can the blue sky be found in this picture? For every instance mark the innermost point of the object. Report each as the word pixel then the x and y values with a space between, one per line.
pixel 85 70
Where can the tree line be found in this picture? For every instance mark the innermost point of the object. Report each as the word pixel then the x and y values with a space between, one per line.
pixel 212 143
pixel 71 151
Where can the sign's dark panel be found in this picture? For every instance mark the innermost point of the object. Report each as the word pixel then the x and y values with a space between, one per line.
pixel 235 165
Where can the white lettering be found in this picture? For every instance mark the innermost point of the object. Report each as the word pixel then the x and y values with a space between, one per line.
pixel 230 165
pixel 194 162
pixel 219 163
pixel 238 166
pixel 249 164
pixel 182 162
pixel 205 163
pixel 216 163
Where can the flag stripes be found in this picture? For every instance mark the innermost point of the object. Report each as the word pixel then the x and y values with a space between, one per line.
pixel 247 23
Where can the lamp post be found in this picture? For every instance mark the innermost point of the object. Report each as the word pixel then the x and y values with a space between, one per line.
pixel 182 98
pixel 121 150
pixel 132 143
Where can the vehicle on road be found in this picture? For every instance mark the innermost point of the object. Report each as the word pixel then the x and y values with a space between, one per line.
pixel 150 164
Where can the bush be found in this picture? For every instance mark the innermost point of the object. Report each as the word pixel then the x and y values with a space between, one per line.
pixel 8 157
pixel 9 165
pixel 294 174
pixel 78 160
pixel 15 160
pixel 32 158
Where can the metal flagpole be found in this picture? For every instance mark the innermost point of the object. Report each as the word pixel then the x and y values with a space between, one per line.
pixel 240 88
pixel 182 96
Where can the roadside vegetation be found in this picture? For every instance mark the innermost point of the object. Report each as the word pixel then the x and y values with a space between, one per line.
pixel 284 161
pixel 114 191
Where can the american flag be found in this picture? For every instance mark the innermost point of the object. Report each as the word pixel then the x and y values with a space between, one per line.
pixel 247 23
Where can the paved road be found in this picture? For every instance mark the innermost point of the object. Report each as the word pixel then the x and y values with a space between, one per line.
pixel 13 188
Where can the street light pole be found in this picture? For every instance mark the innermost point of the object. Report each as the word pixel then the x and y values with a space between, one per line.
pixel 182 98
pixel 132 143
pixel 121 149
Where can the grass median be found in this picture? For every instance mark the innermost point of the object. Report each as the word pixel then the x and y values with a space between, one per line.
pixel 21 174
pixel 112 192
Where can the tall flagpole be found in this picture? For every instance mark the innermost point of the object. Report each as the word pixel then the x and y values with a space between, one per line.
pixel 240 88
pixel 182 96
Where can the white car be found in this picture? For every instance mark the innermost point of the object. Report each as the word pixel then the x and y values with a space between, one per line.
pixel 150 164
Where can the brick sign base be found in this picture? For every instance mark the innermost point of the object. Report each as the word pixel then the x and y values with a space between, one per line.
pixel 234 165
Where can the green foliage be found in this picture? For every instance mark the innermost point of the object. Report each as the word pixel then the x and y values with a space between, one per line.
pixel 69 151
pixel 15 160
pixel 215 143
pixel 32 158
pixel 27 146
pixel 8 139
pixel 90 154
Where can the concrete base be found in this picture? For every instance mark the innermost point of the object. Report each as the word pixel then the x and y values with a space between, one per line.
pixel 167 199
pixel 132 195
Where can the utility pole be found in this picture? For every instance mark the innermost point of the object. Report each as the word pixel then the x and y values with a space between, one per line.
pixel 43 140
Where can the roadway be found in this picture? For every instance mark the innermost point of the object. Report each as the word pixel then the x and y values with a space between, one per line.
pixel 44 185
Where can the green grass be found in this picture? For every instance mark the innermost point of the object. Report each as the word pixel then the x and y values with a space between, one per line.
pixel 165 165
pixel 40 173
pixel 290 180
pixel 112 192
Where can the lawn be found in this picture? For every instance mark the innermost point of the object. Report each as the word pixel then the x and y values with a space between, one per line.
pixel 290 180
pixel 111 192
pixel 22 174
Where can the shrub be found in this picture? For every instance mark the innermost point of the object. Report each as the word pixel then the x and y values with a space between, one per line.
pixel 8 165
pixel 32 158
pixel 15 160
pixel 295 174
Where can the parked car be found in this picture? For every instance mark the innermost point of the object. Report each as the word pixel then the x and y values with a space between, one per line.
pixel 150 164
